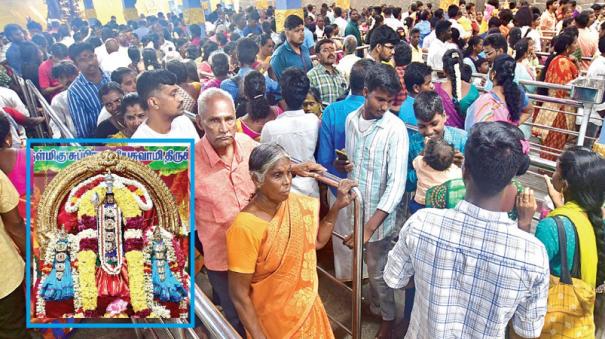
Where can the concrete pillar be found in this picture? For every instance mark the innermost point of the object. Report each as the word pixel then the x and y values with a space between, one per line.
pixel 193 13
pixel 130 11
pixel 284 8
pixel 89 10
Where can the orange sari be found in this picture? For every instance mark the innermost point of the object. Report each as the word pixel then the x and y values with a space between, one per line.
pixel 284 283
pixel 560 71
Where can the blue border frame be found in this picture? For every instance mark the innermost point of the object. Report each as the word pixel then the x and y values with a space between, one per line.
pixel 191 142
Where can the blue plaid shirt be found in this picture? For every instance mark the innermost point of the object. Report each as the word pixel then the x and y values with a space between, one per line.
pixel 452 135
pixel 85 105
pixel 474 270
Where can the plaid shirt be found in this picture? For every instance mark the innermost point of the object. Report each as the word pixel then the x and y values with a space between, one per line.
pixel 473 271
pixel 400 98
pixel 330 86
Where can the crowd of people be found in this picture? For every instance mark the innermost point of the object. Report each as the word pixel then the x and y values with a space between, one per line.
pixel 390 100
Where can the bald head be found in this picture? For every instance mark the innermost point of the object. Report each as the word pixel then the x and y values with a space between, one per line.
pixel 112 45
pixel 216 116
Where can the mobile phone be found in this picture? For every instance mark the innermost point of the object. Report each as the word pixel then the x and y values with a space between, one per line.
pixel 342 155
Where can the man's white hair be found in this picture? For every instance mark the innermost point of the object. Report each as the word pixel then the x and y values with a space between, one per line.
pixel 350 44
pixel 207 95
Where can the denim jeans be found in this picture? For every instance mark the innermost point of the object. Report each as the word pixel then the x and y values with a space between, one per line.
pixel 376 259
pixel 220 291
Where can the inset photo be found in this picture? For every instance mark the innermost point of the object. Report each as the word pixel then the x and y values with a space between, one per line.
pixel 110 232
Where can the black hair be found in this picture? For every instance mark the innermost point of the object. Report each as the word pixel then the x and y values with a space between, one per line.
pixel 134 53
pixel 494 22
pixel 314 91
pixel 602 44
pixel 256 104
pixel 322 42
pixel 466 73
pixel 219 62
pixel 456 39
pixel 64 69
pixel 504 69
pixel 382 77
pixel 191 67
pixel 5 127
pixel 415 74
pixel 129 100
pixel 358 74
pixel 207 48
pixel 451 59
pixel 514 35
pixel 472 42
pixel 150 59
pixel 523 17
pixel 31 24
pixel 521 48
pixel 402 54
pixel 383 35
pixel 438 154
pixel 40 40
pixel 292 21
pixel 294 85
pixel 442 27
pixel 119 74
pixel 150 81
pixel 506 16
pixel 424 15
pixel 414 31
pixel 263 38
pixel 59 50
pixel 426 105
pixel 584 172
pixel 550 3
pixel 582 19
pixel 497 41
pixel 452 11
pixel 480 61
pixel 266 27
pixel 78 48
pixel 10 29
pixel 493 155
pixel 387 11
pixel 195 30
pixel 179 69
pixel 109 87
pixel 247 50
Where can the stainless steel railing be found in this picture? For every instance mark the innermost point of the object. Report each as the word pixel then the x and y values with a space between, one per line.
pixel 212 318
pixel 49 112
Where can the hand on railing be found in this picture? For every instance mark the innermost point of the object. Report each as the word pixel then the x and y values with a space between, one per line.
pixel 308 169
pixel 345 194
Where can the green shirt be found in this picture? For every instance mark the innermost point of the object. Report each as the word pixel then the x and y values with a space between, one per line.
pixel 353 29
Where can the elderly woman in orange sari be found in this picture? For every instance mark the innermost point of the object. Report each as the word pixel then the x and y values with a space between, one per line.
pixel 271 252
pixel 558 69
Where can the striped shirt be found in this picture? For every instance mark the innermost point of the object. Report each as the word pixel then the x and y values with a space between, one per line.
pixel 379 156
pixel 85 105
pixel 474 270
pixel 330 85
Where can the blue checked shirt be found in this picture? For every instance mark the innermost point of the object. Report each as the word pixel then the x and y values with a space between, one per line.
pixel 379 156
pixel 330 85
pixel 452 135
pixel 473 270
pixel 85 105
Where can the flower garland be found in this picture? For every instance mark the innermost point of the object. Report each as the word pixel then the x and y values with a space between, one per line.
pixel 88 287
pixel 47 267
pixel 136 281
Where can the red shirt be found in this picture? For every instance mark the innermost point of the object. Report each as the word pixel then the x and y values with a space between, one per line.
pixel 45 76
pixel 403 94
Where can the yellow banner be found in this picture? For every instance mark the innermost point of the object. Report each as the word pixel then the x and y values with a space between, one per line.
pixel 194 16
pixel 131 14
pixel 444 4
pixel 90 13
pixel 282 14
pixel 344 4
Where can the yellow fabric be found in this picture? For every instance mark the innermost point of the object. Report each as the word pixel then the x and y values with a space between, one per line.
pixel 17 11
pixel 10 260
pixel 285 268
pixel 599 149
pixel 282 14
pixel 586 237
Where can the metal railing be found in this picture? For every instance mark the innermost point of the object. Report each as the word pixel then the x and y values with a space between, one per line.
pixel 212 318
pixel 48 112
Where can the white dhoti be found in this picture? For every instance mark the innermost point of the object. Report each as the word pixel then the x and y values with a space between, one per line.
pixel 343 256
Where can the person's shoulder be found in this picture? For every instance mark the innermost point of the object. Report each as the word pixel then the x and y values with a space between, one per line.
pixel 245 141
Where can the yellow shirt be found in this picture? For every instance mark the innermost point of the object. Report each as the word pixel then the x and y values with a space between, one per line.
pixel 10 260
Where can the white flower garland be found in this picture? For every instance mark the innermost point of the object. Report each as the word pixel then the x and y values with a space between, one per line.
pixel 49 259
pixel 119 182
pixel 133 234
pixel 87 233
pixel 117 232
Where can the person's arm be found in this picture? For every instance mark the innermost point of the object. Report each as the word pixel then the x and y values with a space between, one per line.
pixel 13 222
pixel 399 269
pixel 344 197
pixel 239 288
pixel 16 103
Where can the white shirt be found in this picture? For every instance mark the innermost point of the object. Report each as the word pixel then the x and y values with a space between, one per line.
pixel 67 41
pixel 597 70
pixel 319 32
pixel 101 53
pixel 428 40
pixel 342 25
pixel 60 106
pixel 104 115
pixel 393 23
pixel 10 98
pixel 346 64
pixel 436 52
pixel 534 34
pixel 456 25
pixel 165 48
pixel 114 61
pixel 297 133
pixel 181 128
